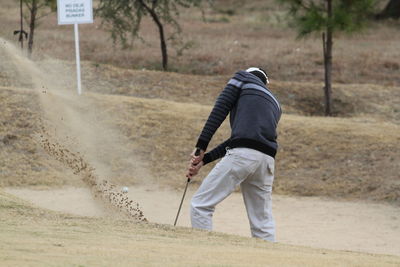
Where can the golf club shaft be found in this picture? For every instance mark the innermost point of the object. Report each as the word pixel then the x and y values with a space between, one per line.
pixel 183 197
pixel 196 153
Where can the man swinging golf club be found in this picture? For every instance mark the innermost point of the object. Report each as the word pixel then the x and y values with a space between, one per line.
pixel 248 155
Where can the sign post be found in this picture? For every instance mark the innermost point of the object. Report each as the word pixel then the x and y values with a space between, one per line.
pixel 78 59
pixel 75 12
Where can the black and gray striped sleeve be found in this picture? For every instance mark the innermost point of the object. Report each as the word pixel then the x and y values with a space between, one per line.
pixel 225 101
pixel 216 153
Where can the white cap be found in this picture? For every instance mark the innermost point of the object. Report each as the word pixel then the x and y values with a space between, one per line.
pixel 259 70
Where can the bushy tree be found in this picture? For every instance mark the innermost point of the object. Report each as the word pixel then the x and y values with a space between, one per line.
pixel 125 16
pixel 328 17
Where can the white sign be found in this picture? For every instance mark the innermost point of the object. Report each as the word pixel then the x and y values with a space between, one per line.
pixel 74 11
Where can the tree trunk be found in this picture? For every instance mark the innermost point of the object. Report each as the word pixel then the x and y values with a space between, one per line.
pixel 161 31
pixel 392 10
pixel 327 47
pixel 21 33
pixel 33 11
pixel 163 43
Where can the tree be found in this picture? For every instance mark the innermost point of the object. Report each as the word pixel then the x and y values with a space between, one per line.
pixel 37 10
pixel 125 16
pixel 392 10
pixel 328 17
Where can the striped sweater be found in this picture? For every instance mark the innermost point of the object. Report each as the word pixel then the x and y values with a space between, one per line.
pixel 254 116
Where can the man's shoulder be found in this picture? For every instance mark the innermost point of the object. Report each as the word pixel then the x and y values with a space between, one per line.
pixel 241 75
pixel 246 77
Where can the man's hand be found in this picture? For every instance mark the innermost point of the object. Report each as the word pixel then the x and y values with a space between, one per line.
pixel 194 169
pixel 195 163
pixel 194 158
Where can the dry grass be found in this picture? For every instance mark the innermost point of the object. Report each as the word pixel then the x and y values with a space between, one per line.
pixel 37 237
pixel 302 98
pixel 23 162
pixel 351 158
pixel 255 34
pixel 354 158
pixel 346 158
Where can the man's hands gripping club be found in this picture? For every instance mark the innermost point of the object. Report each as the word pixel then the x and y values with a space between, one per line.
pixel 195 163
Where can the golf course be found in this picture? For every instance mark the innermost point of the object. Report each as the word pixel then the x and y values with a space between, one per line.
pixel 96 179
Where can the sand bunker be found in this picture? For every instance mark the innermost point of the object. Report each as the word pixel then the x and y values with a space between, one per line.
pixel 354 226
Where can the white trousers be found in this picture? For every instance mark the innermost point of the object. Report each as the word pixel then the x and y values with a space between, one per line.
pixel 254 172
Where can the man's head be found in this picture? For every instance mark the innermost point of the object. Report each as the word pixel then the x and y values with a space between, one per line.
pixel 260 73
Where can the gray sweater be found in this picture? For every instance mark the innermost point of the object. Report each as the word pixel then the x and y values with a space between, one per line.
pixel 254 116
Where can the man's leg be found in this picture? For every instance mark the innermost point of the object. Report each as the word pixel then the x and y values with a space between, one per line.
pixel 257 190
pixel 218 185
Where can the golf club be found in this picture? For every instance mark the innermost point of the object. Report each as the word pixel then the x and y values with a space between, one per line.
pixel 196 153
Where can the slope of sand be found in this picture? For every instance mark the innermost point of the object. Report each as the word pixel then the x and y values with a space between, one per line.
pixel 307 221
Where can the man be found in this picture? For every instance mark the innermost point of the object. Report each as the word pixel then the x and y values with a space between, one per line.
pixel 248 155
